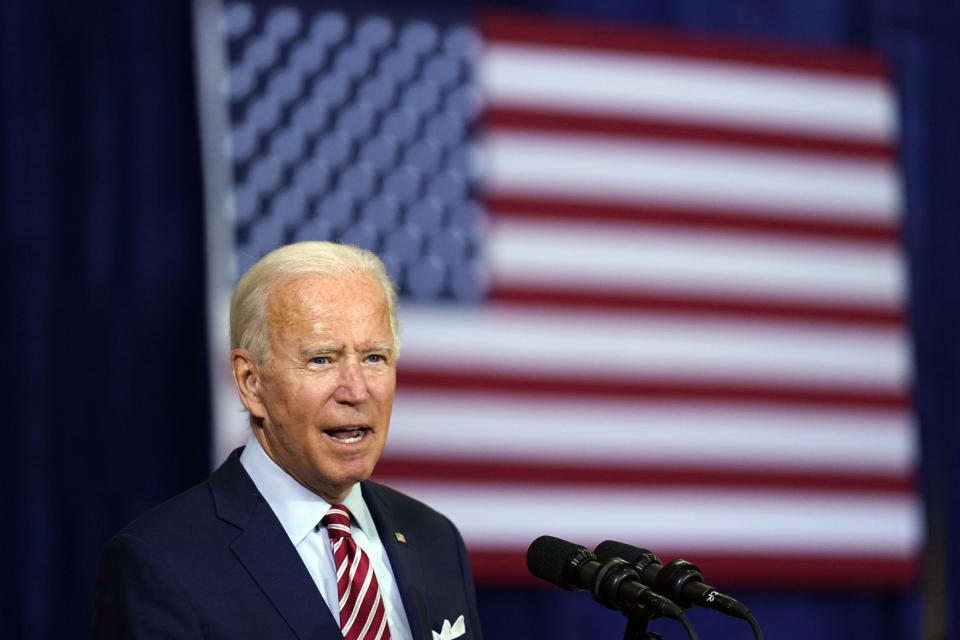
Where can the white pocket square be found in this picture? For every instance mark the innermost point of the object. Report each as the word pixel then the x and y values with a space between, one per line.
pixel 451 631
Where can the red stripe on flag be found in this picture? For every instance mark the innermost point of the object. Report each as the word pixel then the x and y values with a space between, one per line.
pixel 666 303
pixel 508 567
pixel 438 378
pixel 609 125
pixel 520 206
pixel 674 476
pixel 593 37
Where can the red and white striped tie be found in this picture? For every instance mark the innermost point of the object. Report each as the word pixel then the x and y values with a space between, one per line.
pixel 362 616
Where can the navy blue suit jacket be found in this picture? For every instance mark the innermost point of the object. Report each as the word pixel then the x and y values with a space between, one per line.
pixel 214 562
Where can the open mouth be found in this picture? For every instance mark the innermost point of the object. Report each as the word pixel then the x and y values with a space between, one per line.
pixel 348 435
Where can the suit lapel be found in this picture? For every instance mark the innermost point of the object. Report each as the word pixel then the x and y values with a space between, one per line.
pixel 266 552
pixel 404 559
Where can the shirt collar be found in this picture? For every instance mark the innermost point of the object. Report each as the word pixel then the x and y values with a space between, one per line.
pixel 298 509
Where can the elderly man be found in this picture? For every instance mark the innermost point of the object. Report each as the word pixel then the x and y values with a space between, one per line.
pixel 288 539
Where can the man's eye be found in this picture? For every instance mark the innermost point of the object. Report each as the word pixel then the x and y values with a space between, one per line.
pixel 320 360
pixel 375 357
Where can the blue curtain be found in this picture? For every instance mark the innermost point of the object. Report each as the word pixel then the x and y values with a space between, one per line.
pixel 103 261
pixel 108 410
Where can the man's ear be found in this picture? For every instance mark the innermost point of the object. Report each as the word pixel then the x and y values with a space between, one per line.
pixel 246 375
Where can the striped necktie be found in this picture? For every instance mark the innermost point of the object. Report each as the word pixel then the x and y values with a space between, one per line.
pixel 362 616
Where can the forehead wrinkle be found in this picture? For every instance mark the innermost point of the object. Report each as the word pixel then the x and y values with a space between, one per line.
pixel 321 350
pixel 295 300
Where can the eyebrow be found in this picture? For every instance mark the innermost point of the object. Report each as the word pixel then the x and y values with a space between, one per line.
pixel 383 346
pixel 311 352
pixel 319 351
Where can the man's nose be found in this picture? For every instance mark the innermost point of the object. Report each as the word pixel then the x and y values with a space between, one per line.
pixel 352 386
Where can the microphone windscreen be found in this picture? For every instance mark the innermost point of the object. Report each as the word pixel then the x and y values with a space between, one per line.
pixel 613 549
pixel 547 558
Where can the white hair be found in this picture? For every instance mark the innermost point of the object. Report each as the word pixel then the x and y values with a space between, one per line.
pixel 248 306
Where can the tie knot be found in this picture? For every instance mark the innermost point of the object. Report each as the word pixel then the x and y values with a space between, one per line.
pixel 337 522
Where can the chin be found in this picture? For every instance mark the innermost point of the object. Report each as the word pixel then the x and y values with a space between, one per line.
pixel 354 473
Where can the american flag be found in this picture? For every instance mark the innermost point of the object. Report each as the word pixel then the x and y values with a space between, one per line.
pixel 684 324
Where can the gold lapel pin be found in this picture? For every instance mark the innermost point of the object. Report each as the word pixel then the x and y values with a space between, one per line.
pixel 400 537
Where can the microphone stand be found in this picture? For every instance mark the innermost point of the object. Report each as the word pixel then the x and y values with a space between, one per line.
pixel 637 618
pixel 607 582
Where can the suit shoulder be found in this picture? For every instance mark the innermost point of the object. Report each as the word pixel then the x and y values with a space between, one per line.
pixel 404 506
pixel 178 517
pixel 227 497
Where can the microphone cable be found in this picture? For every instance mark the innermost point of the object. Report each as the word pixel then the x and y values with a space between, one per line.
pixel 754 625
pixel 685 621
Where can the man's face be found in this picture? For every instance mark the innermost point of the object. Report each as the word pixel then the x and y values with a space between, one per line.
pixel 326 393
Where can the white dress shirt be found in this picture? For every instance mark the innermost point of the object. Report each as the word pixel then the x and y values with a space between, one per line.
pixel 300 511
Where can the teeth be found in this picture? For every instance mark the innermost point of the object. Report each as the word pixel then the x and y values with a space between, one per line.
pixel 340 436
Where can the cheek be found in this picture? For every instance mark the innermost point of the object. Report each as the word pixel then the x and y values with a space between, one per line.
pixel 285 396
pixel 383 387
pixel 314 399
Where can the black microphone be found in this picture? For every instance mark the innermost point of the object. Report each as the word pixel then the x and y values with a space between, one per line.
pixel 679 580
pixel 614 583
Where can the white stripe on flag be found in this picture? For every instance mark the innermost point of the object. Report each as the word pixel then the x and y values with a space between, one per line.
pixel 724 93
pixel 621 258
pixel 698 520
pixel 609 169
pixel 613 347
pixel 511 429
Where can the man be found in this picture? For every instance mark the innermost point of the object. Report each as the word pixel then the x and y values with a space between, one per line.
pixel 288 539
